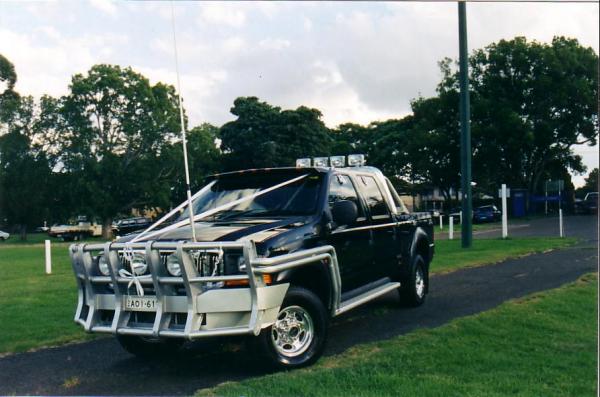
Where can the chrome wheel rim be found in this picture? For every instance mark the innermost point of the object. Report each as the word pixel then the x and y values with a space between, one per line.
pixel 293 331
pixel 419 282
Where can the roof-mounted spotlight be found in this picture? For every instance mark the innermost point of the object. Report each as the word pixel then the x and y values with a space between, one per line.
pixel 303 163
pixel 356 160
pixel 320 161
pixel 337 161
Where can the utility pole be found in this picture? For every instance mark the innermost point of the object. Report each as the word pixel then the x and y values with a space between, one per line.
pixel 465 128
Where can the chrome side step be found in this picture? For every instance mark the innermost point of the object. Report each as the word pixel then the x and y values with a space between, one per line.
pixel 366 297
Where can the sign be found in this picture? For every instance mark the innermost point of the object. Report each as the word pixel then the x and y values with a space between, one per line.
pixel 507 192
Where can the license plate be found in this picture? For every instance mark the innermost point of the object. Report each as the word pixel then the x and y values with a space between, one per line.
pixel 140 304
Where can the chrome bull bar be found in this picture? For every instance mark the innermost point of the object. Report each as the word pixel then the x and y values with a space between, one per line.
pixel 201 312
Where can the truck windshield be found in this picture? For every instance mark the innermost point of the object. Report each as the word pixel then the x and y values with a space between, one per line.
pixel 297 198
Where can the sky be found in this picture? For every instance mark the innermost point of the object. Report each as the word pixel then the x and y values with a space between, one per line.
pixel 355 61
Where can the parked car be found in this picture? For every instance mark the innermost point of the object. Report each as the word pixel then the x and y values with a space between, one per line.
pixel 590 203
pixel 278 253
pixel 486 213
pixel 130 225
pixel 75 232
pixel 4 235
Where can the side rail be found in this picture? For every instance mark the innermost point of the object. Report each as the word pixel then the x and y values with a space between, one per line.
pixel 191 305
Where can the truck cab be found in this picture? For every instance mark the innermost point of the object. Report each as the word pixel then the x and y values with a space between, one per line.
pixel 277 253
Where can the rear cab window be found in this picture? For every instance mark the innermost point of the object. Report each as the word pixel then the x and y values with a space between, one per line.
pixel 374 198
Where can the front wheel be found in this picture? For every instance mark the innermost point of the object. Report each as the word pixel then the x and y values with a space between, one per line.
pixel 297 338
pixel 414 288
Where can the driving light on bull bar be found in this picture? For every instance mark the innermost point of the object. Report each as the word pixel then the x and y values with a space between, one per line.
pixel 320 161
pixel 241 264
pixel 303 163
pixel 173 265
pixel 138 263
pixel 337 161
pixel 103 265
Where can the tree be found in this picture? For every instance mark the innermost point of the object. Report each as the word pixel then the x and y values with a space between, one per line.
pixel 265 136
pixel 24 170
pixel 591 183
pixel 113 127
pixel 531 102
pixel 203 158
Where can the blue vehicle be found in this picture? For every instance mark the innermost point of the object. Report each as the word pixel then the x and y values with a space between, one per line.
pixel 486 213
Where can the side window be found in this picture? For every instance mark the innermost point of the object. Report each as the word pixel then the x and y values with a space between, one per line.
pixel 374 198
pixel 397 200
pixel 341 188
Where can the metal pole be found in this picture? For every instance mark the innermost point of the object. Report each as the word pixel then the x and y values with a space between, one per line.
pixel 183 137
pixel 504 213
pixel 48 253
pixel 560 223
pixel 465 135
pixel 451 228
pixel 441 222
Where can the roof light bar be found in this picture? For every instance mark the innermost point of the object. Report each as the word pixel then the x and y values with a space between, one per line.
pixel 303 163
pixel 320 161
pixel 337 161
pixel 356 160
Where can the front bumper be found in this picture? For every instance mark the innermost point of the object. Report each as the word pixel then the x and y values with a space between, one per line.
pixel 185 307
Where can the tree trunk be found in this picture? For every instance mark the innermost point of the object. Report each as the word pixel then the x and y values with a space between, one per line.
pixel 23 232
pixel 107 228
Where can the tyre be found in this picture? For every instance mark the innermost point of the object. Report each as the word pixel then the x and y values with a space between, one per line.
pixel 298 336
pixel 414 288
pixel 150 348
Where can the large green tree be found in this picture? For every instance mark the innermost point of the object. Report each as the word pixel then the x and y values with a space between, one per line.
pixel 265 136
pixel 531 102
pixel 24 170
pixel 112 127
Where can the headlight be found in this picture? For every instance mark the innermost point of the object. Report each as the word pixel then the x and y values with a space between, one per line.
pixel 138 263
pixel 103 265
pixel 173 266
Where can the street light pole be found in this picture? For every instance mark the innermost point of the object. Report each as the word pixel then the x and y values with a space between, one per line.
pixel 465 129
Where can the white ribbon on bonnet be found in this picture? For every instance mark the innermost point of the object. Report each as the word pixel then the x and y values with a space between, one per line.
pixel 128 253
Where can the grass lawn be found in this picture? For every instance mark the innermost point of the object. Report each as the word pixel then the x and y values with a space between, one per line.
pixel 449 255
pixel 37 309
pixel 542 345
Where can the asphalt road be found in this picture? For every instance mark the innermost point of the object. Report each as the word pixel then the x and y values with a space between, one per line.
pixel 101 367
pixel 584 227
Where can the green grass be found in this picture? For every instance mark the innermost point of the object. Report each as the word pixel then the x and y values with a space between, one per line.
pixel 542 345
pixel 36 238
pixel 37 309
pixel 449 255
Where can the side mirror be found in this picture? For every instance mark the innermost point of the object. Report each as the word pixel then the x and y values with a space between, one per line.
pixel 344 212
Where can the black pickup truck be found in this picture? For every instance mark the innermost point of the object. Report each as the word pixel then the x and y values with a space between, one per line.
pixel 277 253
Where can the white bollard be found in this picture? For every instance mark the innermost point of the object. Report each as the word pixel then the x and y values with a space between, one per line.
pixel 48 257
pixel 504 213
pixel 560 223
pixel 451 228
pixel 441 223
pixel 460 214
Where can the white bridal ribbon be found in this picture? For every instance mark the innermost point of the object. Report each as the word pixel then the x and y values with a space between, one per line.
pixel 128 255
pixel 145 235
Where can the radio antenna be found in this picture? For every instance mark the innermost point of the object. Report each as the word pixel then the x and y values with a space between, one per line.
pixel 183 137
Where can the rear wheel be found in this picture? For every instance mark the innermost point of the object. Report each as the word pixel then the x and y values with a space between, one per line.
pixel 148 347
pixel 297 338
pixel 414 288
